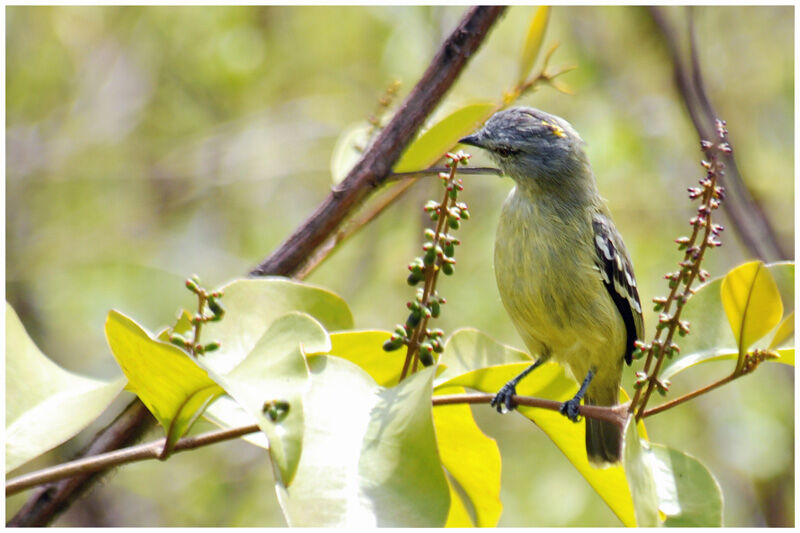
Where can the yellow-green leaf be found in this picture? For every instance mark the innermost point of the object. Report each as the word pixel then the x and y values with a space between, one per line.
pixel 365 348
pixel 471 458
pixel 549 381
pixel 457 515
pixel 167 380
pixel 638 462
pixel 786 356
pixel 752 303
pixel 276 369
pixel 432 145
pixel 533 41
pixel 784 333
pixel 45 404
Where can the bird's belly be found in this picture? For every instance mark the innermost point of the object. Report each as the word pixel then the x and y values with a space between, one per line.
pixel 557 301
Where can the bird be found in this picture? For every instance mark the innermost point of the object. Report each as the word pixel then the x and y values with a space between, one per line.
pixel 562 269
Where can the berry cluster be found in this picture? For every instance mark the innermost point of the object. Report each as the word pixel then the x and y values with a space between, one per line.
pixel 205 298
pixel 705 234
pixel 438 256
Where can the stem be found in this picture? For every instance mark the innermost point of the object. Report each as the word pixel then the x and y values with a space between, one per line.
pixel 686 397
pixel 431 274
pixel 152 450
pixel 744 212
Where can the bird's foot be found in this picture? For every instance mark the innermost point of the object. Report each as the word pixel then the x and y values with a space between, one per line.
pixel 570 409
pixel 503 400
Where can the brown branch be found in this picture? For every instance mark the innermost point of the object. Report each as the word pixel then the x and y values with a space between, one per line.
pixel 46 502
pixel 369 172
pixel 377 161
pixel 152 450
pixel 748 218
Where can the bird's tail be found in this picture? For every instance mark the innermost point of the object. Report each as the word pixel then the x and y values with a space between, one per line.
pixel 603 439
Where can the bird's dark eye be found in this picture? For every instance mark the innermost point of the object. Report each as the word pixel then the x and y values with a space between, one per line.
pixel 505 151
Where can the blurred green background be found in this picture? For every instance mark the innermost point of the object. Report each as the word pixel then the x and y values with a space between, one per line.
pixel 144 144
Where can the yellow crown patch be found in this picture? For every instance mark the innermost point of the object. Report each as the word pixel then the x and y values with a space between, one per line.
pixel 557 130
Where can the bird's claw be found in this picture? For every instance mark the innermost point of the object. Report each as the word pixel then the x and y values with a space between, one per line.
pixel 503 401
pixel 570 409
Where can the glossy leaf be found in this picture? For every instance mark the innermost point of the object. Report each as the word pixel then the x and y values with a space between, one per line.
pixel 432 144
pixel 549 381
pixel 784 333
pixel 167 380
pixel 253 304
pixel 365 349
pixel 711 338
pixel 471 458
pixel 275 370
pixel 468 349
pixel 752 303
pixel 638 462
pixel 458 514
pixel 369 454
pixel 45 404
pixel 688 495
pixel 533 42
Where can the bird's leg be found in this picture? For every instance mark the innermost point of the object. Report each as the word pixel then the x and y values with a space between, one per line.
pixel 503 401
pixel 570 407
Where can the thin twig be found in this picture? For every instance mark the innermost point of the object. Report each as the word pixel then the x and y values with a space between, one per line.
pixel 152 450
pixel 406 181
pixel 746 215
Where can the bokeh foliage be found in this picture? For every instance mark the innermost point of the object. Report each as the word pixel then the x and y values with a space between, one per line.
pixel 147 142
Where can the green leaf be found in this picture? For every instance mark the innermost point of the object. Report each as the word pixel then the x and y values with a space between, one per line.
pixel 784 333
pixel 345 153
pixel 752 303
pixel 533 42
pixel 432 145
pixel 365 348
pixel 45 404
pixel 638 461
pixel 711 338
pixel 688 494
pixel 549 381
pixel 275 369
pixel 369 454
pixel 471 458
pixel 167 380
pixel 253 304
pixel 469 349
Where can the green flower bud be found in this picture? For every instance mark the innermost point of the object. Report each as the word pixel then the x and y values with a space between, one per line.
pixel 413 319
pixel 392 345
pixel 448 269
pixel 216 307
pixel 212 347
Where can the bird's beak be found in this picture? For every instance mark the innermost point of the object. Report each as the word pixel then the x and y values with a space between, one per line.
pixel 472 140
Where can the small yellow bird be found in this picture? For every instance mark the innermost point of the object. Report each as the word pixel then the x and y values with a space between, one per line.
pixel 561 266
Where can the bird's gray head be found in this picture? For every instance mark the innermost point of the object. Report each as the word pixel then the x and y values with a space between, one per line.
pixel 534 148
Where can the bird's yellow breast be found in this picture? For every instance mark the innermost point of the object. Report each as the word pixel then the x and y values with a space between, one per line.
pixel 549 284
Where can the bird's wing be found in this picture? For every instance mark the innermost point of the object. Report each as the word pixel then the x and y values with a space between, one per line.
pixel 617 272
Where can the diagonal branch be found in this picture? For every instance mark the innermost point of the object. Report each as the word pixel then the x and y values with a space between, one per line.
pixel 370 172
pixel 748 218
pixel 376 163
